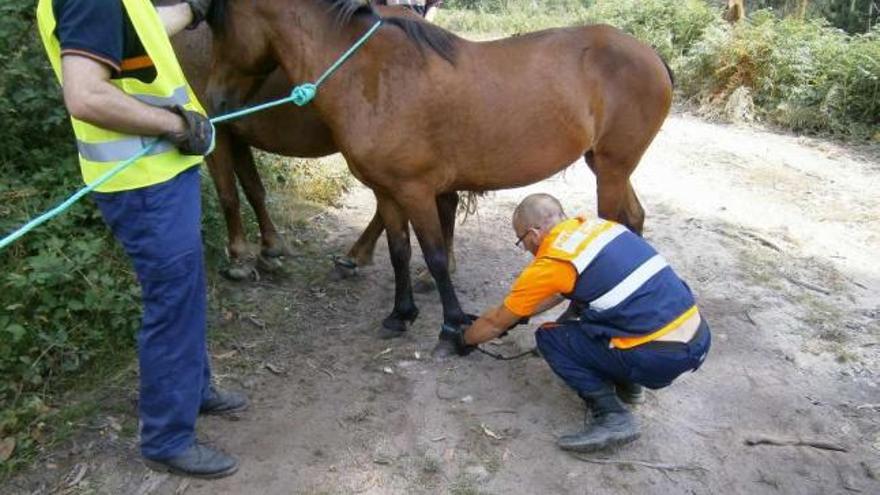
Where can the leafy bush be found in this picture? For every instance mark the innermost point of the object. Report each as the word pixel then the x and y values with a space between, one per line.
pixel 800 74
pixel 67 295
pixel 671 27
pixel 803 75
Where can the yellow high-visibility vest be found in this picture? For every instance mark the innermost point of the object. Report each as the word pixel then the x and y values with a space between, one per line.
pixel 102 149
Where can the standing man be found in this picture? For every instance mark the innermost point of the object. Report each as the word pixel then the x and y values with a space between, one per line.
pixel 425 8
pixel 124 90
pixel 637 322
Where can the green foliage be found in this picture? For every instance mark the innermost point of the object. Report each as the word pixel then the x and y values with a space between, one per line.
pixel 318 180
pixel 510 16
pixel 671 27
pixel 67 295
pixel 803 75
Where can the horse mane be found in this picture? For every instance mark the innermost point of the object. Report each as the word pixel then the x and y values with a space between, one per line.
pixel 423 34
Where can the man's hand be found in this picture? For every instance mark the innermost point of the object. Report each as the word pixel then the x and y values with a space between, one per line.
pixel 492 324
pixel 199 12
pixel 197 135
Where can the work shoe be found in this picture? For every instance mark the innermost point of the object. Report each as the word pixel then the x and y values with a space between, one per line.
pixel 609 424
pixel 631 393
pixel 223 402
pixel 198 461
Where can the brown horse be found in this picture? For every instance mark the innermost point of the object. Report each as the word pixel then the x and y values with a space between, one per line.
pixel 286 130
pixel 420 113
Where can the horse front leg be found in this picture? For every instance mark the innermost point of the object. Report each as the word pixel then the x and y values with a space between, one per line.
pixel 397 233
pixel 221 165
pixel 273 246
pixel 426 223
pixel 447 206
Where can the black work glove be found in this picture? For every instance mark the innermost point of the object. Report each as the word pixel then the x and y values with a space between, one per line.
pixel 197 138
pixel 199 10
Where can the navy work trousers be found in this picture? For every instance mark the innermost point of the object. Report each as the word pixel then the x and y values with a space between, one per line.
pixel 587 364
pixel 160 229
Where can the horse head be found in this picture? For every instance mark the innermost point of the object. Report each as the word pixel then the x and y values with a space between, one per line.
pixel 242 56
pixel 252 38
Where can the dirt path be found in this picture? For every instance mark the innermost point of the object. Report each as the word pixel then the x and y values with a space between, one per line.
pixel 778 237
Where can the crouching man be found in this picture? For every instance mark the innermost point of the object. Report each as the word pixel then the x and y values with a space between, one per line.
pixel 636 322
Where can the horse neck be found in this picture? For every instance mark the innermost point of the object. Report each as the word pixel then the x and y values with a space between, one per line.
pixel 308 40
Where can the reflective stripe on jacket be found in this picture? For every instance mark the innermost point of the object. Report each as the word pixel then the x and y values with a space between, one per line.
pixel 102 149
pixel 622 283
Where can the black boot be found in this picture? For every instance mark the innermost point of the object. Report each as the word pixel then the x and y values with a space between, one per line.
pixel 609 424
pixel 198 461
pixel 223 402
pixel 630 393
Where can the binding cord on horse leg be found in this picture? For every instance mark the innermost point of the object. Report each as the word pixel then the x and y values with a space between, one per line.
pixel 501 357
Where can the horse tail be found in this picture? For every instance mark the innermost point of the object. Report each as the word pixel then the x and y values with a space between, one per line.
pixel 668 70
pixel 467 204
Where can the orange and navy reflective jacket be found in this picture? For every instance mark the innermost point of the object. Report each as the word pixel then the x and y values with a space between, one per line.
pixel 627 292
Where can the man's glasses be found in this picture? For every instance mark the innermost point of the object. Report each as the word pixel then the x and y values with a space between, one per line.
pixel 519 241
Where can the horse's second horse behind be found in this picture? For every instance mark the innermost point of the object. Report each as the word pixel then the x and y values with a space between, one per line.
pixel 286 130
pixel 454 115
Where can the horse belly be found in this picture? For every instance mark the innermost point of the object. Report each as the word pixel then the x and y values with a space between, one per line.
pixel 518 149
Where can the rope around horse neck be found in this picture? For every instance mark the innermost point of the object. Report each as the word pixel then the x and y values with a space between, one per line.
pixel 300 96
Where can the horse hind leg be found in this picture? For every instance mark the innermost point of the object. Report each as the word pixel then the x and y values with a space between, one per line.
pixel 633 211
pixel 361 253
pixel 617 200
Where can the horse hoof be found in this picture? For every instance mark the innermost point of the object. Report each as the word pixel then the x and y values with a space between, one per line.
pixel 392 328
pixel 276 251
pixel 270 264
pixel 424 283
pixel 344 267
pixel 240 271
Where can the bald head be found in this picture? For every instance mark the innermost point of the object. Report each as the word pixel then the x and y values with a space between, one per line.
pixel 540 211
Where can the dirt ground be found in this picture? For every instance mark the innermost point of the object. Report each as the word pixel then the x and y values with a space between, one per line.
pixel 778 237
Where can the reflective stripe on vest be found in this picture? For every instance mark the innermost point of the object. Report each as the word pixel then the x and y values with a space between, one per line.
pixel 101 149
pixel 630 342
pixel 629 285
pixel 644 291
pixel 119 150
pixel 178 97
pixel 585 257
pixel 125 148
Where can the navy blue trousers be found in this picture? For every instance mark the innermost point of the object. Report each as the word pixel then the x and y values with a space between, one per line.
pixel 588 365
pixel 160 229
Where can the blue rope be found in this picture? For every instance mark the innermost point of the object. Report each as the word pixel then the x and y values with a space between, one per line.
pixel 300 96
